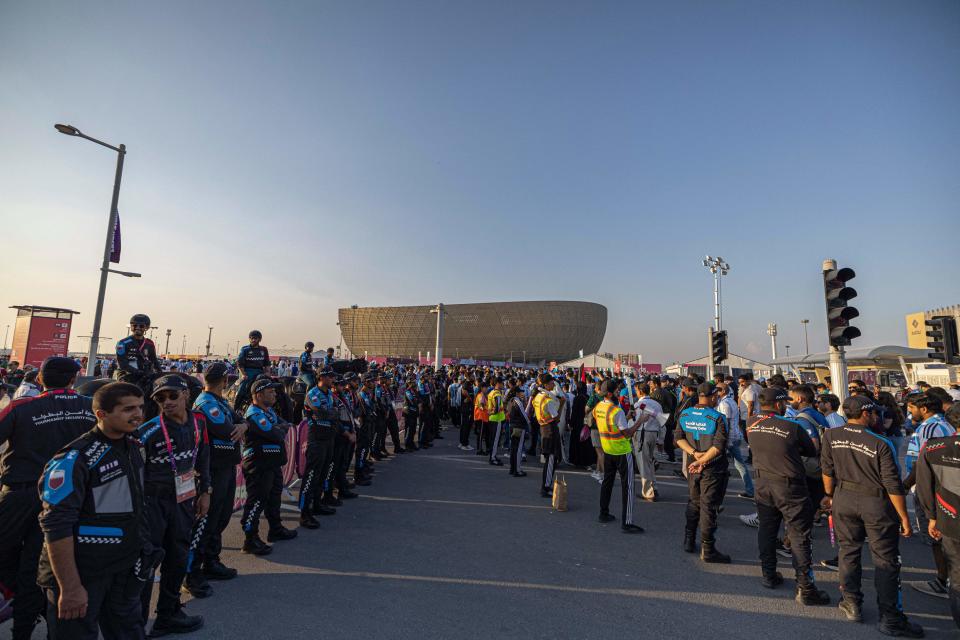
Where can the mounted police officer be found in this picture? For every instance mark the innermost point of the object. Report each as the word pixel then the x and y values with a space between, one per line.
pixel 779 447
pixel 97 555
pixel 861 478
pixel 33 429
pixel 701 433
pixel 264 454
pixel 136 354
pixel 225 428
pixel 307 374
pixel 321 413
pixel 252 362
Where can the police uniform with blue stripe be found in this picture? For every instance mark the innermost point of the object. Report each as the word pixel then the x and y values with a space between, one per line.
pixel 263 457
pixel 224 458
pixel 92 492
pixel 320 412
pixel 252 362
pixel 704 430
pixel 307 374
pixel 862 475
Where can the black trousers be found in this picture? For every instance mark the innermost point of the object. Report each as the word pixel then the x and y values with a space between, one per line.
pixel 319 460
pixel 551 451
pixel 380 436
pixel 264 489
pixel 516 452
pixel 206 539
pixel 465 426
pixel 706 496
pixel 669 447
pixel 479 429
pixel 113 609
pixel 171 524
pixel 410 428
pixel 951 550
pixel 20 544
pixel 612 465
pixel 779 501
pixel 393 426
pixel 491 437
pixel 338 467
pixel 855 518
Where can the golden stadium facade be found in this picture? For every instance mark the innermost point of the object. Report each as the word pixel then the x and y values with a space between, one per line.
pixel 532 332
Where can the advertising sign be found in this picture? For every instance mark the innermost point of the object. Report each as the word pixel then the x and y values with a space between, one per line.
pixel 916 331
pixel 48 337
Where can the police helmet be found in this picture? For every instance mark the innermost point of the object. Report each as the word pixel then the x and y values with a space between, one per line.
pixel 140 318
pixel 308 345
pixel 256 334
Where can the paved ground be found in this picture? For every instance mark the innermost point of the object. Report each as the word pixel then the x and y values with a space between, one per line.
pixel 445 546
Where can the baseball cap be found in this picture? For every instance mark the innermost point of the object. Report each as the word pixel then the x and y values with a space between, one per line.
pixel 263 384
pixel 216 371
pixel 706 389
pixel 328 372
pixel 855 405
pixel 59 365
pixel 773 394
pixel 169 383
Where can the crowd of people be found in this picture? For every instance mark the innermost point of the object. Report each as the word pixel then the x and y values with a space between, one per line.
pixel 104 495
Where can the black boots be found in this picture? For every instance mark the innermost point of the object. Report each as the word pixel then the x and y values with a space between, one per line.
pixel 281 533
pixel 690 541
pixel 216 570
pixel 771 580
pixel 710 555
pixel 177 622
pixel 810 596
pixel 254 545
pixel 196 584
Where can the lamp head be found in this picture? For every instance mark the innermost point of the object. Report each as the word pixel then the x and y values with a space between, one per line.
pixel 67 129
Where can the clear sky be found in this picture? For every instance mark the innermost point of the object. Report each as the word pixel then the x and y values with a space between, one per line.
pixel 286 159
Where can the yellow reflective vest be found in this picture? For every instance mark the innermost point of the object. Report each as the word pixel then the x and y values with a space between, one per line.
pixel 540 402
pixel 611 438
pixel 495 406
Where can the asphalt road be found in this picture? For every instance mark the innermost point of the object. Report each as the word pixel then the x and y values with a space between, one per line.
pixel 443 545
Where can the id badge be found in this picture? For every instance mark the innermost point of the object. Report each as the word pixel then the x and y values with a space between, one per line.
pixel 186 486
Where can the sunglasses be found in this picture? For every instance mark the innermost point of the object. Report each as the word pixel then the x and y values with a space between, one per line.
pixel 139 326
pixel 163 396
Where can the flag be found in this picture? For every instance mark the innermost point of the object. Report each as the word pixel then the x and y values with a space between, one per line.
pixel 583 373
pixel 115 243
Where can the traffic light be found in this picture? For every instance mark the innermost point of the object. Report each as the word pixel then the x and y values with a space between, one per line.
pixel 942 339
pixel 839 313
pixel 718 347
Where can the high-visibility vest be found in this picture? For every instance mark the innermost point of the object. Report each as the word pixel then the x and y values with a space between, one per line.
pixel 495 406
pixel 480 408
pixel 611 438
pixel 540 403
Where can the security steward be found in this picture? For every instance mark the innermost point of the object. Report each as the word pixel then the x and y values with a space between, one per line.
pixel 701 433
pixel 547 408
pixel 938 492
pixel 137 354
pixel 321 414
pixel 33 429
pixel 252 361
pixel 862 482
pixel 225 428
pixel 264 454
pixel 176 484
pixel 495 416
pixel 97 554
pixel 616 440
pixel 779 447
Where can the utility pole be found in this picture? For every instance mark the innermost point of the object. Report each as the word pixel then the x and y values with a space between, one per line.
pixel 183 346
pixel 166 349
pixel 806 340
pixel 209 335
pixel 772 332
pixel 439 310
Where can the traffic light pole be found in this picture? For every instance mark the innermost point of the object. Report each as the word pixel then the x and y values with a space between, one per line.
pixel 838 373
pixel 710 368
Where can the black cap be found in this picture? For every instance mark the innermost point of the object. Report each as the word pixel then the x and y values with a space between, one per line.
pixel 216 371
pixel 771 395
pixel 855 405
pixel 689 383
pixel 59 366
pixel 171 382
pixel 263 384
pixel 350 377
pixel 328 373
pixel 706 389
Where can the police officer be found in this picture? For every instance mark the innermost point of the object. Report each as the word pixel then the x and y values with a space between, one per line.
pixel 97 554
pixel 368 414
pixel 615 438
pixel 862 483
pixel 264 454
pixel 938 492
pixel 411 414
pixel 225 428
pixel 782 495
pixel 321 414
pixel 389 394
pixel 33 429
pixel 547 409
pixel 177 487
pixel 252 361
pixel 701 433
pixel 307 373
pixel 342 448
pixel 136 354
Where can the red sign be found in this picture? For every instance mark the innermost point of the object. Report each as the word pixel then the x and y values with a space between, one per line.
pixel 48 337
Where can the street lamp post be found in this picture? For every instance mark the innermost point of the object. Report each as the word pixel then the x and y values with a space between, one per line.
pixel 806 340
pixel 5 334
pixel 787 347
pixel 718 267
pixel 209 335
pixel 438 362
pixel 166 350
pixel 111 225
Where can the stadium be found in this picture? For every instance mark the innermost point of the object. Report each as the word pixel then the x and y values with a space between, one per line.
pixel 530 332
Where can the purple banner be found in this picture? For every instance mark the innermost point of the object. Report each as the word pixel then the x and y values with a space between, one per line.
pixel 115 245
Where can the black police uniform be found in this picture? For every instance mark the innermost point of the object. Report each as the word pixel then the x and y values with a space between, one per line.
pixel 341 455
pixel 703 427
pixel 366 411
pixel 779 446
pixel 92 491
pixel 389 396
pixel 34 429
pixel 136 359
pixel 264 455
pixel 411 416
pixel 321 414
pixel 251 361
pixel 938 491
pixel 865 471
pixel 170 446
pixel 224 458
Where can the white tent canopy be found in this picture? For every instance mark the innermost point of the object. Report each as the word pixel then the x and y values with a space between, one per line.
pixel 889 355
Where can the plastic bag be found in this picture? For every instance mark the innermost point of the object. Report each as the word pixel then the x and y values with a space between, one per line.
pixel 584 433
pixel 559 493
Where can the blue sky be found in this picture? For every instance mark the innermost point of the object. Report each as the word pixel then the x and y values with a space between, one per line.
pixel 286 159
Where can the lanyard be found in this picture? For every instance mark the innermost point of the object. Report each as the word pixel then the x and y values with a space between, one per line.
pixel 196 444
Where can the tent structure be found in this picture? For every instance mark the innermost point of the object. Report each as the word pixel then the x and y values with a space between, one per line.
pixel 883 356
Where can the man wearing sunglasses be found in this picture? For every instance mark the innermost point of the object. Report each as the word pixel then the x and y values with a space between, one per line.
pixel 253 361
pixel 177 489
pixel 136 354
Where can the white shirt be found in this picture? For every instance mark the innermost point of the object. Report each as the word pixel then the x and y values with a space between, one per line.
pixel 751 393
pixel 731 412
pixel 647 406
pixel 26 390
